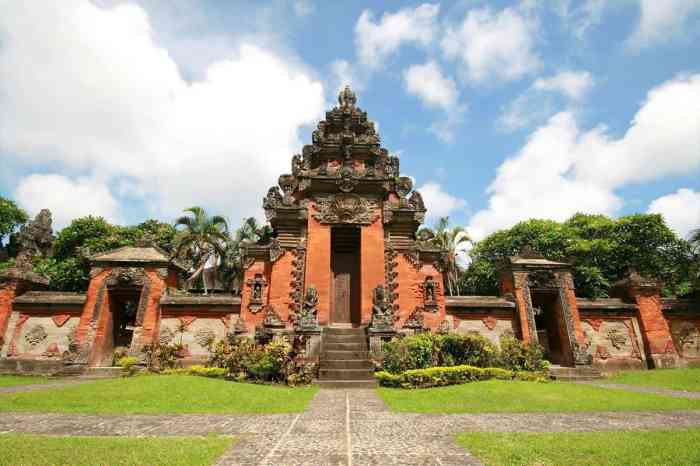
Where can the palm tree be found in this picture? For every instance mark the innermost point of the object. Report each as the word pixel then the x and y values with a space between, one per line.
pixel 450 240
pixel 695 269
pixel 232 264
pixel 202 239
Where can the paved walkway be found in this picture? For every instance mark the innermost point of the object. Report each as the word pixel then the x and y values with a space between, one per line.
pixel 342 427
pixel 643 389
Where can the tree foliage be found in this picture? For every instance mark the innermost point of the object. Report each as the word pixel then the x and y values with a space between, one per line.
pixel 600 249
pixel 11 217
pixel 450 240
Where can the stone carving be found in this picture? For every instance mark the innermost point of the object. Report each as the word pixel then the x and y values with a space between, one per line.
pixel 416 201
pixel 276 250
pixel 36 336
pixel 289 184
pixel 35 239
pixel 445 327
pixel 143 302
pixel 347 98
pixel 346 179
pixel 415 321
pixel 404 185
pixel 126 277
pixel 390 273
pixel 298 266
pixel 430 292
pixel 382 311
pixel 308 318
pixel 345 208
pixel 490 322
pixel 272 201
pixel 257 286
pixel 687 338
pixel 413 257
pixel 542 279
pixel 617 338
pixel 205 337
pixel 272 319
pixel 166 336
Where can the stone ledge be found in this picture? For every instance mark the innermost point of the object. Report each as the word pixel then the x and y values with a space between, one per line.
pixel 603 304
pixel 200 300
pixel 478 302
pixel 50 297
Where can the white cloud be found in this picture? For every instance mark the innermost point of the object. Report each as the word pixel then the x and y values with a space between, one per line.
pixel 428 84
pixel 582 15
pixel 377 41
pixel 681 210
pixel 345 73
pixel 573 84
pixel 67 199
pixel 562 170
pixel 439 202
pixel 303 7
pixel 87 90
pixel 536 104
pixel 493 46
pixel 661 20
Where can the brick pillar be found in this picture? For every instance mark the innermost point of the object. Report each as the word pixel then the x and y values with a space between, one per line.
pixel 14 282
pixel 371 266
pixel 318 266
pixel 656 333
pixel 8 291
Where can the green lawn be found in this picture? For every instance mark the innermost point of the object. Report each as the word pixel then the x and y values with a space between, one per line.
pixel 34 450
pixel 496 396
pixel 162 394
pixel 675 379
pixel 12 380
pixel 676 447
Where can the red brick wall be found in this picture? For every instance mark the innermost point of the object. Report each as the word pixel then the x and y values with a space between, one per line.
pixel 657 333
pixel 371 266
pixel 281 284
pixel 8 292
pixel 151 316
pixel 318 265
pixel 252 320
pixel 93 292
pixel 520 302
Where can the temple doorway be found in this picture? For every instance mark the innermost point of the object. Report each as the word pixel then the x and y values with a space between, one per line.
pixel 550 327
pixel 345 267
pixel 124 305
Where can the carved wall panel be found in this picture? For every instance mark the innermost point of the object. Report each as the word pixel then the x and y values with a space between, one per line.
pixel 346 209
pixel 43 337
pixel 195 336
pixel 610 338
pixel 489 327
pixel 686 337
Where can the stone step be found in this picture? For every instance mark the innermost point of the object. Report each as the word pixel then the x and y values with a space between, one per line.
pixel 343 331
pixel 347 384
pixel 101 372
pixel 347 364
pixel 342 338
pixel 343 354
pixel 574 373
pixel 361 346
pixel 346 374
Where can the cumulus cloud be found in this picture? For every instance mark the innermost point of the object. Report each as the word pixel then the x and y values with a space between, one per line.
pixel 660 21
pixel 66 198
pixel 87 89
pixel 681 210
pixel 572 84
pixel 492 45
pixel 562 169
pixel 536 104
pixel 428 84
pixel 581 15
pixel 439 202
pixel 376 41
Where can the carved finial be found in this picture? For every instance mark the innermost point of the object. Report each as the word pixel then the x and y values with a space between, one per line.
pixel 347 98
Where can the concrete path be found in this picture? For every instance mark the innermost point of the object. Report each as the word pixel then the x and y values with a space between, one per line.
pixel 643 389
pixel 342 427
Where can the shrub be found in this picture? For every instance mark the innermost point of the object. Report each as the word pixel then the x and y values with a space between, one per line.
pixel 216 372
pixel 128 365
pixel 453 375
pixel 471 350
pixel 159 357
pixel 414 352
pixel 517 356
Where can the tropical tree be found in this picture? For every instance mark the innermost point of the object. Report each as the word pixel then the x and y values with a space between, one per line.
pixel 201 240
pixel 11 217
pixel 452 240
pixel 231 266
pixel 695 268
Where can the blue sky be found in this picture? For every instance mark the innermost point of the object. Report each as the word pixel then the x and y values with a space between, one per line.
pixel 500 110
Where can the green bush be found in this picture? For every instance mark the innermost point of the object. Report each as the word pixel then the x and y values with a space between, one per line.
pixel 517 356
pixel 443 376
pixel 128 365
pixel 414 352
pixel 215 372
pixel 471 350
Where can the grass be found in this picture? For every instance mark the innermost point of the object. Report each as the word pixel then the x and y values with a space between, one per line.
pixel 34 450
pixel 676 447
pixel 497 396
pixel 12 380
pixel 162 394
pixel 675 379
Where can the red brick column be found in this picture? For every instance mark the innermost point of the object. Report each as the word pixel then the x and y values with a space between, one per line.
pixel 318 266
pixel 281 284
pixel 8 292
pixel 656 332
pixel 250 319
pixel 371 266
pixel 151 316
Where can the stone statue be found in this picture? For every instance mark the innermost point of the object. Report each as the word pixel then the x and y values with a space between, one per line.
pixel 35 239
pixel 430 294
pixel 382 311
pixel 308 319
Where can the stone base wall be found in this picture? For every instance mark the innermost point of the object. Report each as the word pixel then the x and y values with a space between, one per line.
pixel 614 342
pixel 196 331
pixel 492 325
pixel 685 331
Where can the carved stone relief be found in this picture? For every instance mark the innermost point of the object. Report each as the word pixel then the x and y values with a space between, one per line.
pixel 383 315
pixel 415 321
pixel 257 286
pixel 346 209
pixel 126 277
pixel 36 336
pixel 686 337
pixel 430 293
pixel 308 318
pixel 298 268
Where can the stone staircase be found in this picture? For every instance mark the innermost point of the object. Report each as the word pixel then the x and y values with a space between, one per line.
pixel 344 361
pixel 574 374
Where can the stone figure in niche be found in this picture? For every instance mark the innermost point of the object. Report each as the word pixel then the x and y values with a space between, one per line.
pixel 382 311
pixel 257 286
pixel 308 319
pixel 430 294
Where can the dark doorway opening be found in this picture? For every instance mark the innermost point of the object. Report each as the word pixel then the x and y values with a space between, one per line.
pixel 124 305
pixel 550 326
pixel 345 266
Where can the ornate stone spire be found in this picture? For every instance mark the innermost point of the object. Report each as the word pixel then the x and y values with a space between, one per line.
pixel 347 98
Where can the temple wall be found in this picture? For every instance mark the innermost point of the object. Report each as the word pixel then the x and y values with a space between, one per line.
pixel 489 323
pixel 195 328
pixel 683 319
pixel 371 266
pixel 8 291
pixel 318 265
pixel 281 289
pixel 252 319
pixel 410 280
pixel 613 341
